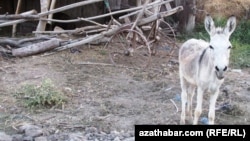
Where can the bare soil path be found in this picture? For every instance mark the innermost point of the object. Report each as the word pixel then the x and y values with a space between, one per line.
pixel 106 97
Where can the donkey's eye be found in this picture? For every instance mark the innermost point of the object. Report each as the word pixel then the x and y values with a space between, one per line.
pixel 229 47
pixel 211 47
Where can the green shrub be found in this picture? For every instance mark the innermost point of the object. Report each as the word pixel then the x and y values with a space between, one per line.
pixel 240 55
pixel 242 32
pixel 43 96
pixel 241 45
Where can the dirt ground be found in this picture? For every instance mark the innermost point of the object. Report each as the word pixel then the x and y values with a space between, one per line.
pixel 107 97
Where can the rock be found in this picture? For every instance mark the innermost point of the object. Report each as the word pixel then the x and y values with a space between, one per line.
pixel 248 89
pixel 2 109
pixel 236 70
pixel 77 137
pixel 5 137
pixel 91 130
pixel 27 138
pixel 17 137
pixel 204 120
pixel 129 139
pixel 25 126
pixel 177 97
pixel 126 135
pixel 57 137
pixel 117 139
pixel 41 139
pixel 31 130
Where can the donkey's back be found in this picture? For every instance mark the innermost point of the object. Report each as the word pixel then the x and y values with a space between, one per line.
pixel 189 56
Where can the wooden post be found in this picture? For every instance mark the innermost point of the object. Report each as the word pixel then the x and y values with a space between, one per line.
pixel 18 7
pixel 52 6
pixel 44 8
pixel 138 2
pixel 186 17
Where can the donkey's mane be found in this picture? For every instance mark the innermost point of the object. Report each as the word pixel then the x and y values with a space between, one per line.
pixel 219 30
pixel 202 55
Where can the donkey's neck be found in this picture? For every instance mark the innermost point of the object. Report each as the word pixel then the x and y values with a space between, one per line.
pixel 202 55
pixel 206 66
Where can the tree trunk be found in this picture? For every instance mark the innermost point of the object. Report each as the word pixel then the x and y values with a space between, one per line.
pixel 186 17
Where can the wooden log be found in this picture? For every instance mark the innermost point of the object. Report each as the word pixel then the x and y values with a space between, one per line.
pixel 18 21
pixel 74 20
pixel 121 11
pixel 82 30
pixel 114 30
pixel 4 50
pixel 34 40
pixel 17 17
pixel 16 43
pixel 36 48
pixel 74 5
pixel 89 39
pixel 8 42
pixel 95 17
pixel 160 15
pixel 149 6
pixel 139 16
pixel 67 7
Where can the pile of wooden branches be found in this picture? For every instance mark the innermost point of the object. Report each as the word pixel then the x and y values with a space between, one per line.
pixel 146 14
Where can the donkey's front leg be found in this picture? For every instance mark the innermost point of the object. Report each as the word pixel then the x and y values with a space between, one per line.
pixel 211 114
pixel 198 108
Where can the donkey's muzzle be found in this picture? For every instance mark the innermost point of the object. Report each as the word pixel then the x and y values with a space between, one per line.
pixel 220 72
pixel 219 75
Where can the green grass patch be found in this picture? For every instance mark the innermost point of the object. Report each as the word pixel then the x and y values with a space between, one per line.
pixel 42 96
pixel 240 40
pixel 240 55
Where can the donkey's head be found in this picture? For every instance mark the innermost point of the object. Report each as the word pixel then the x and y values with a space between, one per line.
pixel 219 43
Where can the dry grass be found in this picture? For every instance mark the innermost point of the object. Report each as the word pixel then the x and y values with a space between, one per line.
pixel 222 8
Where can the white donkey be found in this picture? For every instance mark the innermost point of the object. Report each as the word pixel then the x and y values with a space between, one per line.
pixel 202 67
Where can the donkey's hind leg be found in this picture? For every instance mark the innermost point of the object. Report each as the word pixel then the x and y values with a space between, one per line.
pixel 183 99
pixel 190 95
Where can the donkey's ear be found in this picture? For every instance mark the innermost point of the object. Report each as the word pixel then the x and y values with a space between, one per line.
pixel 231 25
pixel 209 24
